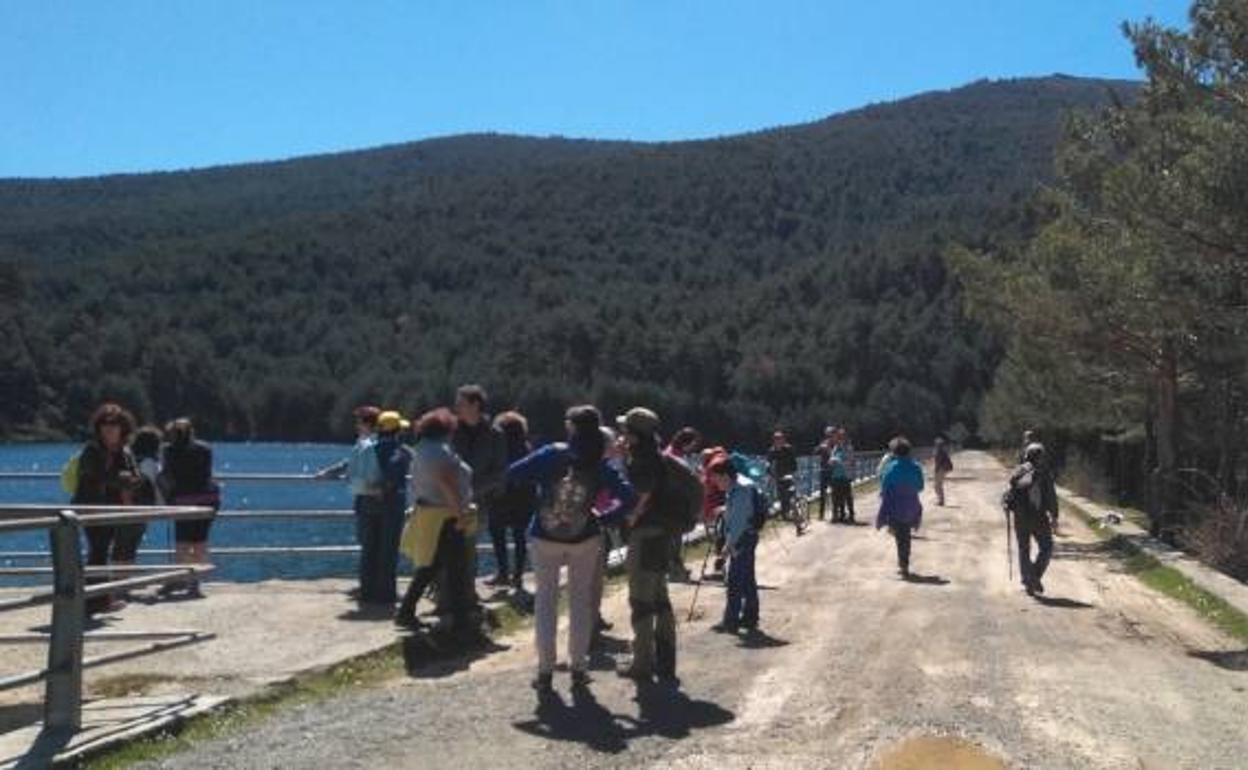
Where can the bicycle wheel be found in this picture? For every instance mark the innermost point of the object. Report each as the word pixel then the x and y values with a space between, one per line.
pixel 801 513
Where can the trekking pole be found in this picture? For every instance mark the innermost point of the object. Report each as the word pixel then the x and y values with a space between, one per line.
pixel 1009 549
pixel 701 576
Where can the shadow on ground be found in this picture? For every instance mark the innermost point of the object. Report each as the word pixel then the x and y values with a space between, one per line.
pixel 15 715
pixel 926 580
pixel 1234 660
pixel 662 711
pixel 1062 603
pixel 434 654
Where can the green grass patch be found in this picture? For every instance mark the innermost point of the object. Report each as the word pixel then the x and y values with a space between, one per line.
pixel 1166 580
pixel 123 685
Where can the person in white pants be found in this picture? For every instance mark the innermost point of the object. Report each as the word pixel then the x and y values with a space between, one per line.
pixel 567 531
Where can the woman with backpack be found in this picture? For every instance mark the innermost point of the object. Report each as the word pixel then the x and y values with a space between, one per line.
pixel 435 534
pixel 106 474
pixel 744 515
pixel 568 532
pixel 901 481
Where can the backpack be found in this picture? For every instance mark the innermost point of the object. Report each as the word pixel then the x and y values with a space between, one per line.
pixel 69 474
pixel 1018 497
pixel 567 510
pixel 759 519
pixel 681 504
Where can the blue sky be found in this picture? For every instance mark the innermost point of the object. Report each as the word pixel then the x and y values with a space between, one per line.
pixel 94 87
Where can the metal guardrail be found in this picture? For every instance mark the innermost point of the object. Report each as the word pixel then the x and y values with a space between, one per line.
pixel 62 707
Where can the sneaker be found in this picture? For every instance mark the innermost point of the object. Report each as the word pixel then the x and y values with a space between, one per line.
pixel 544 682
pixel 1038 587
pixel 725 628
pixel 580 678
pixel 498 581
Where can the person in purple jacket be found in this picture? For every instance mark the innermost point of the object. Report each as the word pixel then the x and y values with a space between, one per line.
pixel 567 531
pixel 901 481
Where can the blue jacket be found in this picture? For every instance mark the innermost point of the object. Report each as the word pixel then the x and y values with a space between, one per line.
pixel 739 510
pixel 547 465
pixel 394 460
pixel 900 484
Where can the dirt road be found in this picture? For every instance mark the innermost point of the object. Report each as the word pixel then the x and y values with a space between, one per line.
pixel 854 664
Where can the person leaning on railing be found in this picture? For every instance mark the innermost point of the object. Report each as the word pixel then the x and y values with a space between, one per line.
pixel 107 475
pixel 186 472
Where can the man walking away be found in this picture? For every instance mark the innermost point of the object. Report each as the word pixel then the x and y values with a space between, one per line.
pixel 654 623
pixel 743 512
pixel 363 473
pixel 942 467
pixel 842 473
pixel 1032 499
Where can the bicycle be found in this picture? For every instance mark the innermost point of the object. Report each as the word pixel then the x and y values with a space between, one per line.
pixel 793 507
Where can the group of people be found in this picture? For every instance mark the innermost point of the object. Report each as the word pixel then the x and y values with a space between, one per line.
pixel 423 488
pixel 124 465
pixel 563 505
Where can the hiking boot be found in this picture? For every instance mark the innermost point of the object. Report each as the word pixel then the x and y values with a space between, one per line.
pixel 725 628
pixel 408 622
pixel 635 674
pixel 517 581
pixel 498 581
pixel 670 681
pixel 544 682
pixel 602 625
pixel 580 678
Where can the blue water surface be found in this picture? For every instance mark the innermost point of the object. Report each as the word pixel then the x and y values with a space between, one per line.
pixel 238 495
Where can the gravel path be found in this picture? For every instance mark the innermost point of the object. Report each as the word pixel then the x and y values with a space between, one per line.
pixel 854 662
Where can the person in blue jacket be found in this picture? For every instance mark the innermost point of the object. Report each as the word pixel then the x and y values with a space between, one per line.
pixel 901 481
pixel 567 531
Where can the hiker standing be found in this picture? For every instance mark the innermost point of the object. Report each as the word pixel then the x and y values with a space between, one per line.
pixel 441 493
pixel 379 556
pixel 713 509
pixel 942 466
pixel 186 470
pixel 823 451
pixel 744 513
pixel 483 447
pixel 363 472
pixel 106 475
pixel 1032 499
pixel 515 506
pixel 782 465
pixel 684 446
pixel 649 540
pixel 566 533
pixel 613 454
pixel 842 473
pixel 900 508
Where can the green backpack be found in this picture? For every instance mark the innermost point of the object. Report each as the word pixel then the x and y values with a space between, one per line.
pixel 69 474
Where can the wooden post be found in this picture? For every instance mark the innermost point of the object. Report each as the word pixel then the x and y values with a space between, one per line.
pixel 62 706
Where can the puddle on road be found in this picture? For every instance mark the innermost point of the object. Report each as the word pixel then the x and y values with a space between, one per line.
pixel 929 752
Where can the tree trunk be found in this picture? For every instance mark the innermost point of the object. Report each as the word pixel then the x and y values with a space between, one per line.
pixel 1166 436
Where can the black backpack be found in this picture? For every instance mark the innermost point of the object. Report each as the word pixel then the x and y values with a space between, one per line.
pixel 682 496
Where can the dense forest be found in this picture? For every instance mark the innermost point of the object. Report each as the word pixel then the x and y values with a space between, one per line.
pixel 794 277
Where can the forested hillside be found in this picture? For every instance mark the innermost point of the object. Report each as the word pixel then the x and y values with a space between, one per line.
pixel 795 276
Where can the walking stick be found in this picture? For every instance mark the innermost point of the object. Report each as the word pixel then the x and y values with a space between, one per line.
pixel 701 576
pixel 1009 549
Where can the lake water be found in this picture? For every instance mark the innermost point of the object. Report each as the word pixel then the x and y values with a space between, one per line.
pixel 238 496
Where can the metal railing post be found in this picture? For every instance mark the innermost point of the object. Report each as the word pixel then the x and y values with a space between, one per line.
pixel 62 707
